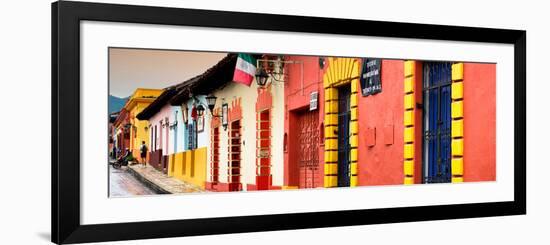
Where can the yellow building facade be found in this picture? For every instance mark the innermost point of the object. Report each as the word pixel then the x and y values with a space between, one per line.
pixel 139 100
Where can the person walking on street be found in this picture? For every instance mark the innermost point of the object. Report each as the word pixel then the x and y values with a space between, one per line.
pixel 143 152
pixel 113 154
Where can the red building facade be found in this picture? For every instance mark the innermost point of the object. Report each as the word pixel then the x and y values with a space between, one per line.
pixel 303 136
pixel 431 122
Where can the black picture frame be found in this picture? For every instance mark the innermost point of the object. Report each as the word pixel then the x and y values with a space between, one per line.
pixel 66 17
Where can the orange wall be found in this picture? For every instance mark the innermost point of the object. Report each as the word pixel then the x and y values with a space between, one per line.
pixel 382 164
pixel 479 122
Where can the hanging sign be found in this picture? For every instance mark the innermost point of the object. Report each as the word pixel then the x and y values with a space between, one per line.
pixel 371 72
pixel 225 109
pixel 313 100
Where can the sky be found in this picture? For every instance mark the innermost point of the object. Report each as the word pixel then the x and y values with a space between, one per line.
pixel 144 68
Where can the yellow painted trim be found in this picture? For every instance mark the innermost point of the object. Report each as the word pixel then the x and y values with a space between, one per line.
pixel 457 147
pixel 326 81
pixel 331 94
pixel 354 86
pixel 331 156
pixel 409 104
pixel 331 131
pixel 171 165
pixel 331 106
pixel 457 90
pixel 353 168
pixel 331 119
pixel 409 68
pixel 353 181
pixel 330 181
pixel 331 168
pixel 354 127
pixel 409 101
pixel 457 71
pixel 408 118
pixel 457 127
pixel 354 141
pixel 340 71
pixel 457 166
pixel 331 144
pixel 409 85
pixel 408 135
pixel 457 180
pixel 191 166
pixel 457 109
pixel 354 155
pixel 408 167
pixel 289 187
pixel 354 113
pixel 353 100
pixel 408 151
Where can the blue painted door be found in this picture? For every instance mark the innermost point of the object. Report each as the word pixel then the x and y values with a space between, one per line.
pixel 437 122
pixel 344 115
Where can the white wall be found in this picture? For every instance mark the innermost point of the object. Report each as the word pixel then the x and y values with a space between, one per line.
pixel 160 142
pixel 249 96
pixel 27 30
pixel 178 134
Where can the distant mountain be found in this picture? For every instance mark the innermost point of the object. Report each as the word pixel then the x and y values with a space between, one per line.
pixel 116 103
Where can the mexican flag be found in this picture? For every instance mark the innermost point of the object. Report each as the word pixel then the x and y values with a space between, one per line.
pixel 245 69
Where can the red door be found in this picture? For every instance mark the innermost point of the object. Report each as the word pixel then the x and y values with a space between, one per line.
pixel 234 164
pixel 308 156
pixel 263 151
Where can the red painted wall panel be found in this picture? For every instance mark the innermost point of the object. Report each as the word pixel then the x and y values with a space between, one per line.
pixel 479 122
pixel 298 88
pixel 382 164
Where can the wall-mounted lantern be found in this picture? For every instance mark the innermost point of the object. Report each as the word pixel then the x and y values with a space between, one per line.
pixel 261 77
pixel 225 111
pixel 200 110
pixel 275 70
pixel 211 102
pixel 175 124
pixel 184 114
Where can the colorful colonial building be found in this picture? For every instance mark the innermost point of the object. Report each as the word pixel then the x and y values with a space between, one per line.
pixel 179 124
pixel 134 128
pixel 322 122
pixel 121 131
pixel 379 132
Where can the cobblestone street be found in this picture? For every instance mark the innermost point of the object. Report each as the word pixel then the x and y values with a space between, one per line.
pixel 138 180
pixel 123 184
pixel 162 182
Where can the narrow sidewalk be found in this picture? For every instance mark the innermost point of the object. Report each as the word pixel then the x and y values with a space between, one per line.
pixel 161 182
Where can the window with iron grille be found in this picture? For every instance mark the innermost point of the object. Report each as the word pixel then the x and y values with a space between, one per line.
pixel 437 122
pixel 192 135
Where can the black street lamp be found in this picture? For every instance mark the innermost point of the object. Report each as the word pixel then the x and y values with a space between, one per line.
pixel 211 101
pixel 261 77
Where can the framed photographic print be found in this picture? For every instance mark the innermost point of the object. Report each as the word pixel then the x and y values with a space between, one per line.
pixel 325 122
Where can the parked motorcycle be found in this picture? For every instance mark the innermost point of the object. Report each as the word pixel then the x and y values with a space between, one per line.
pixel 123 160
